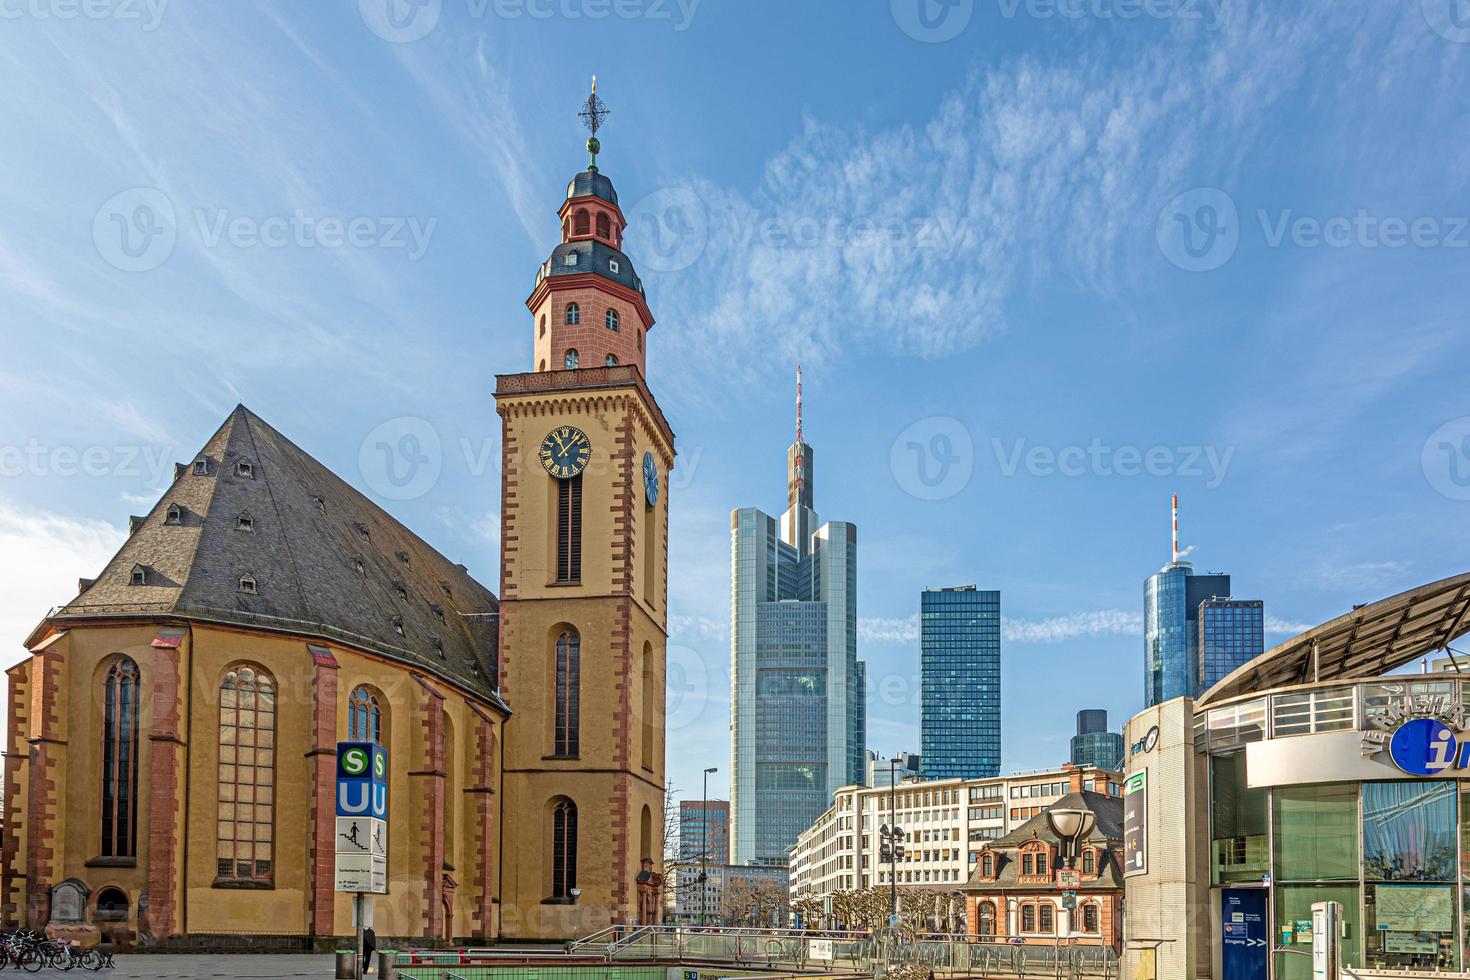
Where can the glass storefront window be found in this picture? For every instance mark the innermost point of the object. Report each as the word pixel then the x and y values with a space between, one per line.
pixel 1409 831
pixel 1238 822
pixel 1317 833
pixel 1237 724
pixel 1294 926
pixel 1429 694
pixel 1330 709
pixel 1410 927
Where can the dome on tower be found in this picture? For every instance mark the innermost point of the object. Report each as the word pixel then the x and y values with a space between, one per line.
pixel 575 258
pixel 592 182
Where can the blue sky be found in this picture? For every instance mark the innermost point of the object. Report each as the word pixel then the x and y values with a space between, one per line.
pixel 1045 263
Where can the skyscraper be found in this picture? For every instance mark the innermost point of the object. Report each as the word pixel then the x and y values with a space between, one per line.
pixel 1094 745
pixel 1174 662
pixel 1231 631
pixel 959 721
pixel 797 713
pixel 704 828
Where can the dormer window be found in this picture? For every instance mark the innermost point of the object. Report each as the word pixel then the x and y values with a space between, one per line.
pixel 613 266
pixel 610 319
pixel 571 258
pixel 174 515
pixel 572 359
pixel 321 504
pixel 438 645
pixel 245 469
pixel 401 589
pixel 438 611
pixel 447 590
pixel 247 585
pixel 359 567
pixel 201 466
pixel 244 522
pixel 574 314
pixel 611 360
pixel 398 625
pixel 402 556
pixel 362 531
pixel 139 575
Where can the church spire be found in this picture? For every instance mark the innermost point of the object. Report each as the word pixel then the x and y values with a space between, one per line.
pixel 593 112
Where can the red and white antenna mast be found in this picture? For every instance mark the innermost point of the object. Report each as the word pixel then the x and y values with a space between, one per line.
pixel 798 404
pixel 1175 507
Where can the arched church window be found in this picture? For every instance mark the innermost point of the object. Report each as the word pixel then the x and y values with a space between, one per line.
pixel 120 759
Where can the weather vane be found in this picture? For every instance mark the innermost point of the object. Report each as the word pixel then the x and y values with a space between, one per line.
pixel 594 111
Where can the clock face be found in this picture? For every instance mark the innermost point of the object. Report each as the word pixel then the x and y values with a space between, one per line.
pixel 565 451
pixel 650 480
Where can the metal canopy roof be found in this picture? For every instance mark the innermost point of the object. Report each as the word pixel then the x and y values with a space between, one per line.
pixel 1369 641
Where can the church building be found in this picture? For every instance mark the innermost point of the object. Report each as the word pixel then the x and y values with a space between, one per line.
pixel 170 753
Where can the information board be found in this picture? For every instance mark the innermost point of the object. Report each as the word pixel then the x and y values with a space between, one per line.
pixel 362 818
pixel 1135 824
pixel 1243 933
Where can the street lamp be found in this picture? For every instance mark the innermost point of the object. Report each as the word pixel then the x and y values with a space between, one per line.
pixel 1071 828
pixel 704 848
pixel 891 837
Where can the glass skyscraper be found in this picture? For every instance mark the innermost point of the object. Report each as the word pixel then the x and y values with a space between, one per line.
pixel 797 710
pixel 1094 745
pixel 959 720
pixel 1231 631
pixel 1194 633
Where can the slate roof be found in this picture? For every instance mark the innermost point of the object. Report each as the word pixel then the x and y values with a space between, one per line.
pixel 1107 829
pixel 592 256
pixel 592 182
pixel 325 560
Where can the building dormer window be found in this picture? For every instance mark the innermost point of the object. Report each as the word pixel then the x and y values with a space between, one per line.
pixel 571 258
pixel 245 469
pixel 447 590
pixel 604 227
pixel 613 266
pixel 987 865
pixel 581 222
pixel 398 625
pixel 174 514
pixel 139 575
pixel 438 645
pixel 610 319
pixel 321 504
pixel 359 567
pixel 201 466
pixel 402 556
pixel 572 359
pixel 401 589
pixel 362 530
pixel 247 585
pixel 574 314
pixel 244 522
pixel 611 360
pixel 438 611
pixel 1089 862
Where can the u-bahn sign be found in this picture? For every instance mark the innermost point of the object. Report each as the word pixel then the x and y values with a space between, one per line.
pixel 1424 735
pixel 362 818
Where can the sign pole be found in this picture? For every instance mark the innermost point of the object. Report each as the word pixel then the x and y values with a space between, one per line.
pixel 360 967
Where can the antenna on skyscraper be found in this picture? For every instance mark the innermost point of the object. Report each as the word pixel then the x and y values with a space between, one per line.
pixel 1175 509
pixel 798 404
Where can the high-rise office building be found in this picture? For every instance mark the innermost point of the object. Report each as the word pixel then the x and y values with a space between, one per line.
pixel 959 719
pixel 1094 745
pixel 1174 661
pixel 704 830
pixel 1231 631
pixel 798 717
pixel 884 772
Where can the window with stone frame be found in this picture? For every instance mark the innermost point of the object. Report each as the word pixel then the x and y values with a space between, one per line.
pixel 563 849
pixel 245 832
pixel 567 719
pixel 120 759
pixel 365 716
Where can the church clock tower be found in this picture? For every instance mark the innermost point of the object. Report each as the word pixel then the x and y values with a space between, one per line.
pixel 585 457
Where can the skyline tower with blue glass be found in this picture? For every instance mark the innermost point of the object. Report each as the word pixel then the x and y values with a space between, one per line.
pixel 1194 631
pixel 959 715
pixel 798 718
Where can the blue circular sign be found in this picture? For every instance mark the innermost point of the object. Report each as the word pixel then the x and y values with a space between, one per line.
pixel 1424 747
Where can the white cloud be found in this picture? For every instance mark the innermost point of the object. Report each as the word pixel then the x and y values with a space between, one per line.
pixel 1279 626
pixel 45 554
